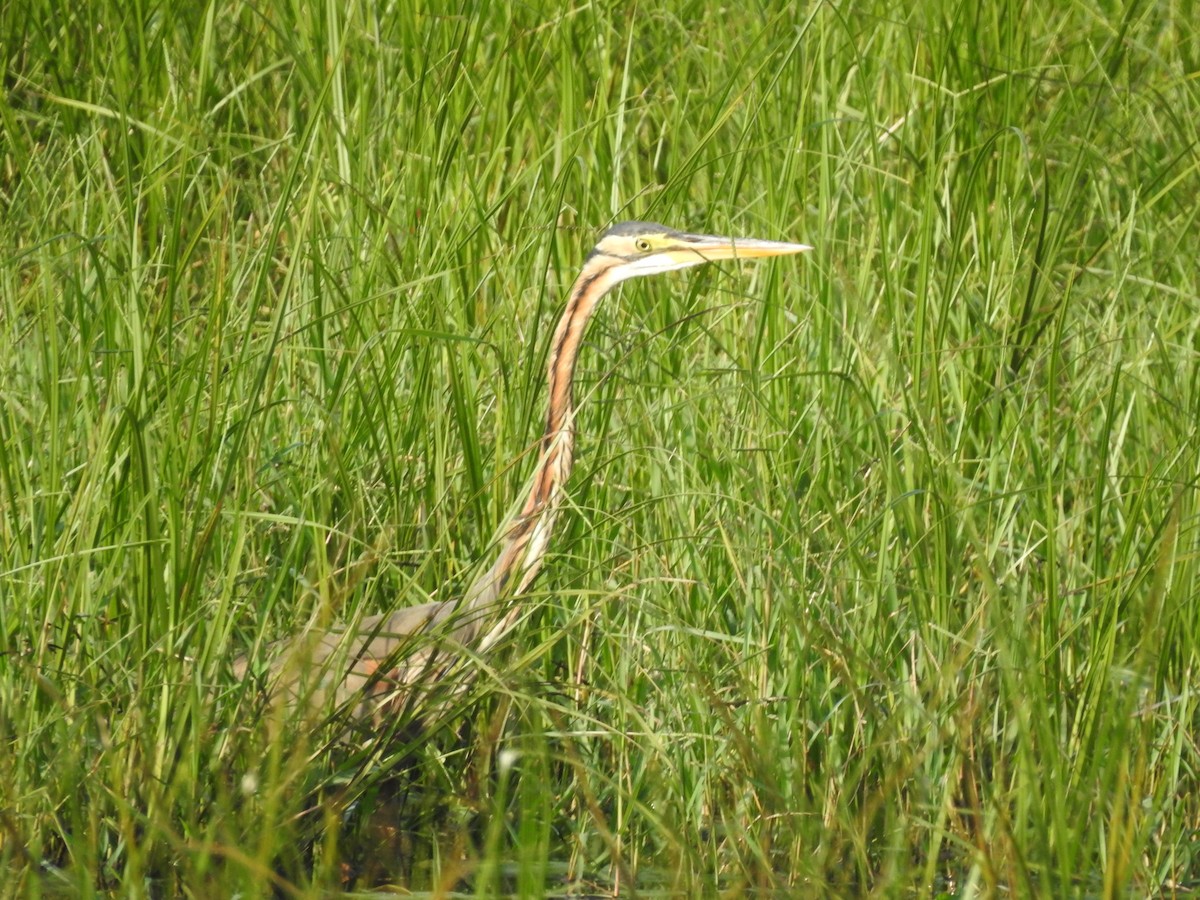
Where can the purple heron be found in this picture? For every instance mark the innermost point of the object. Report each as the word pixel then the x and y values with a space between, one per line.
pixel 378 661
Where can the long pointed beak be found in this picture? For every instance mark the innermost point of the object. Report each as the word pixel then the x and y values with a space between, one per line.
pixel 711 247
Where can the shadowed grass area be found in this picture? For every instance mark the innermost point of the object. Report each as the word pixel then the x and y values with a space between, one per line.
pixel 879 568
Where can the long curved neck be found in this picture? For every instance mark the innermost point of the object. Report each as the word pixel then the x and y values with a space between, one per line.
pixel 526 537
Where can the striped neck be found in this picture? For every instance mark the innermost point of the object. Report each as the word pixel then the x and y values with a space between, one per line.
pixel 525 539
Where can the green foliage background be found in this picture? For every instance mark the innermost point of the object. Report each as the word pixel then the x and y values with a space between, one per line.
pixel 880 568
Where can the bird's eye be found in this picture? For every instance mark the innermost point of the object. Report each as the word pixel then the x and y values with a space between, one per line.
pixel 642 244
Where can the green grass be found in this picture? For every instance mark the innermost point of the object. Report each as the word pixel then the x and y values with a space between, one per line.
pixel 879 571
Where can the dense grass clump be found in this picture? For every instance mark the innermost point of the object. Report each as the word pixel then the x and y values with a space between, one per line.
pixel 879 571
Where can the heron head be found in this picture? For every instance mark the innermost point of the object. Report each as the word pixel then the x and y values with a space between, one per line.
pixel 631 249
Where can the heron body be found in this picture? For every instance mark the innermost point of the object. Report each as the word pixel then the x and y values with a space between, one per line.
pixel 375 666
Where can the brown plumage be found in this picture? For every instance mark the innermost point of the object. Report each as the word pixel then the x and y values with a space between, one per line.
pixel 380 664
